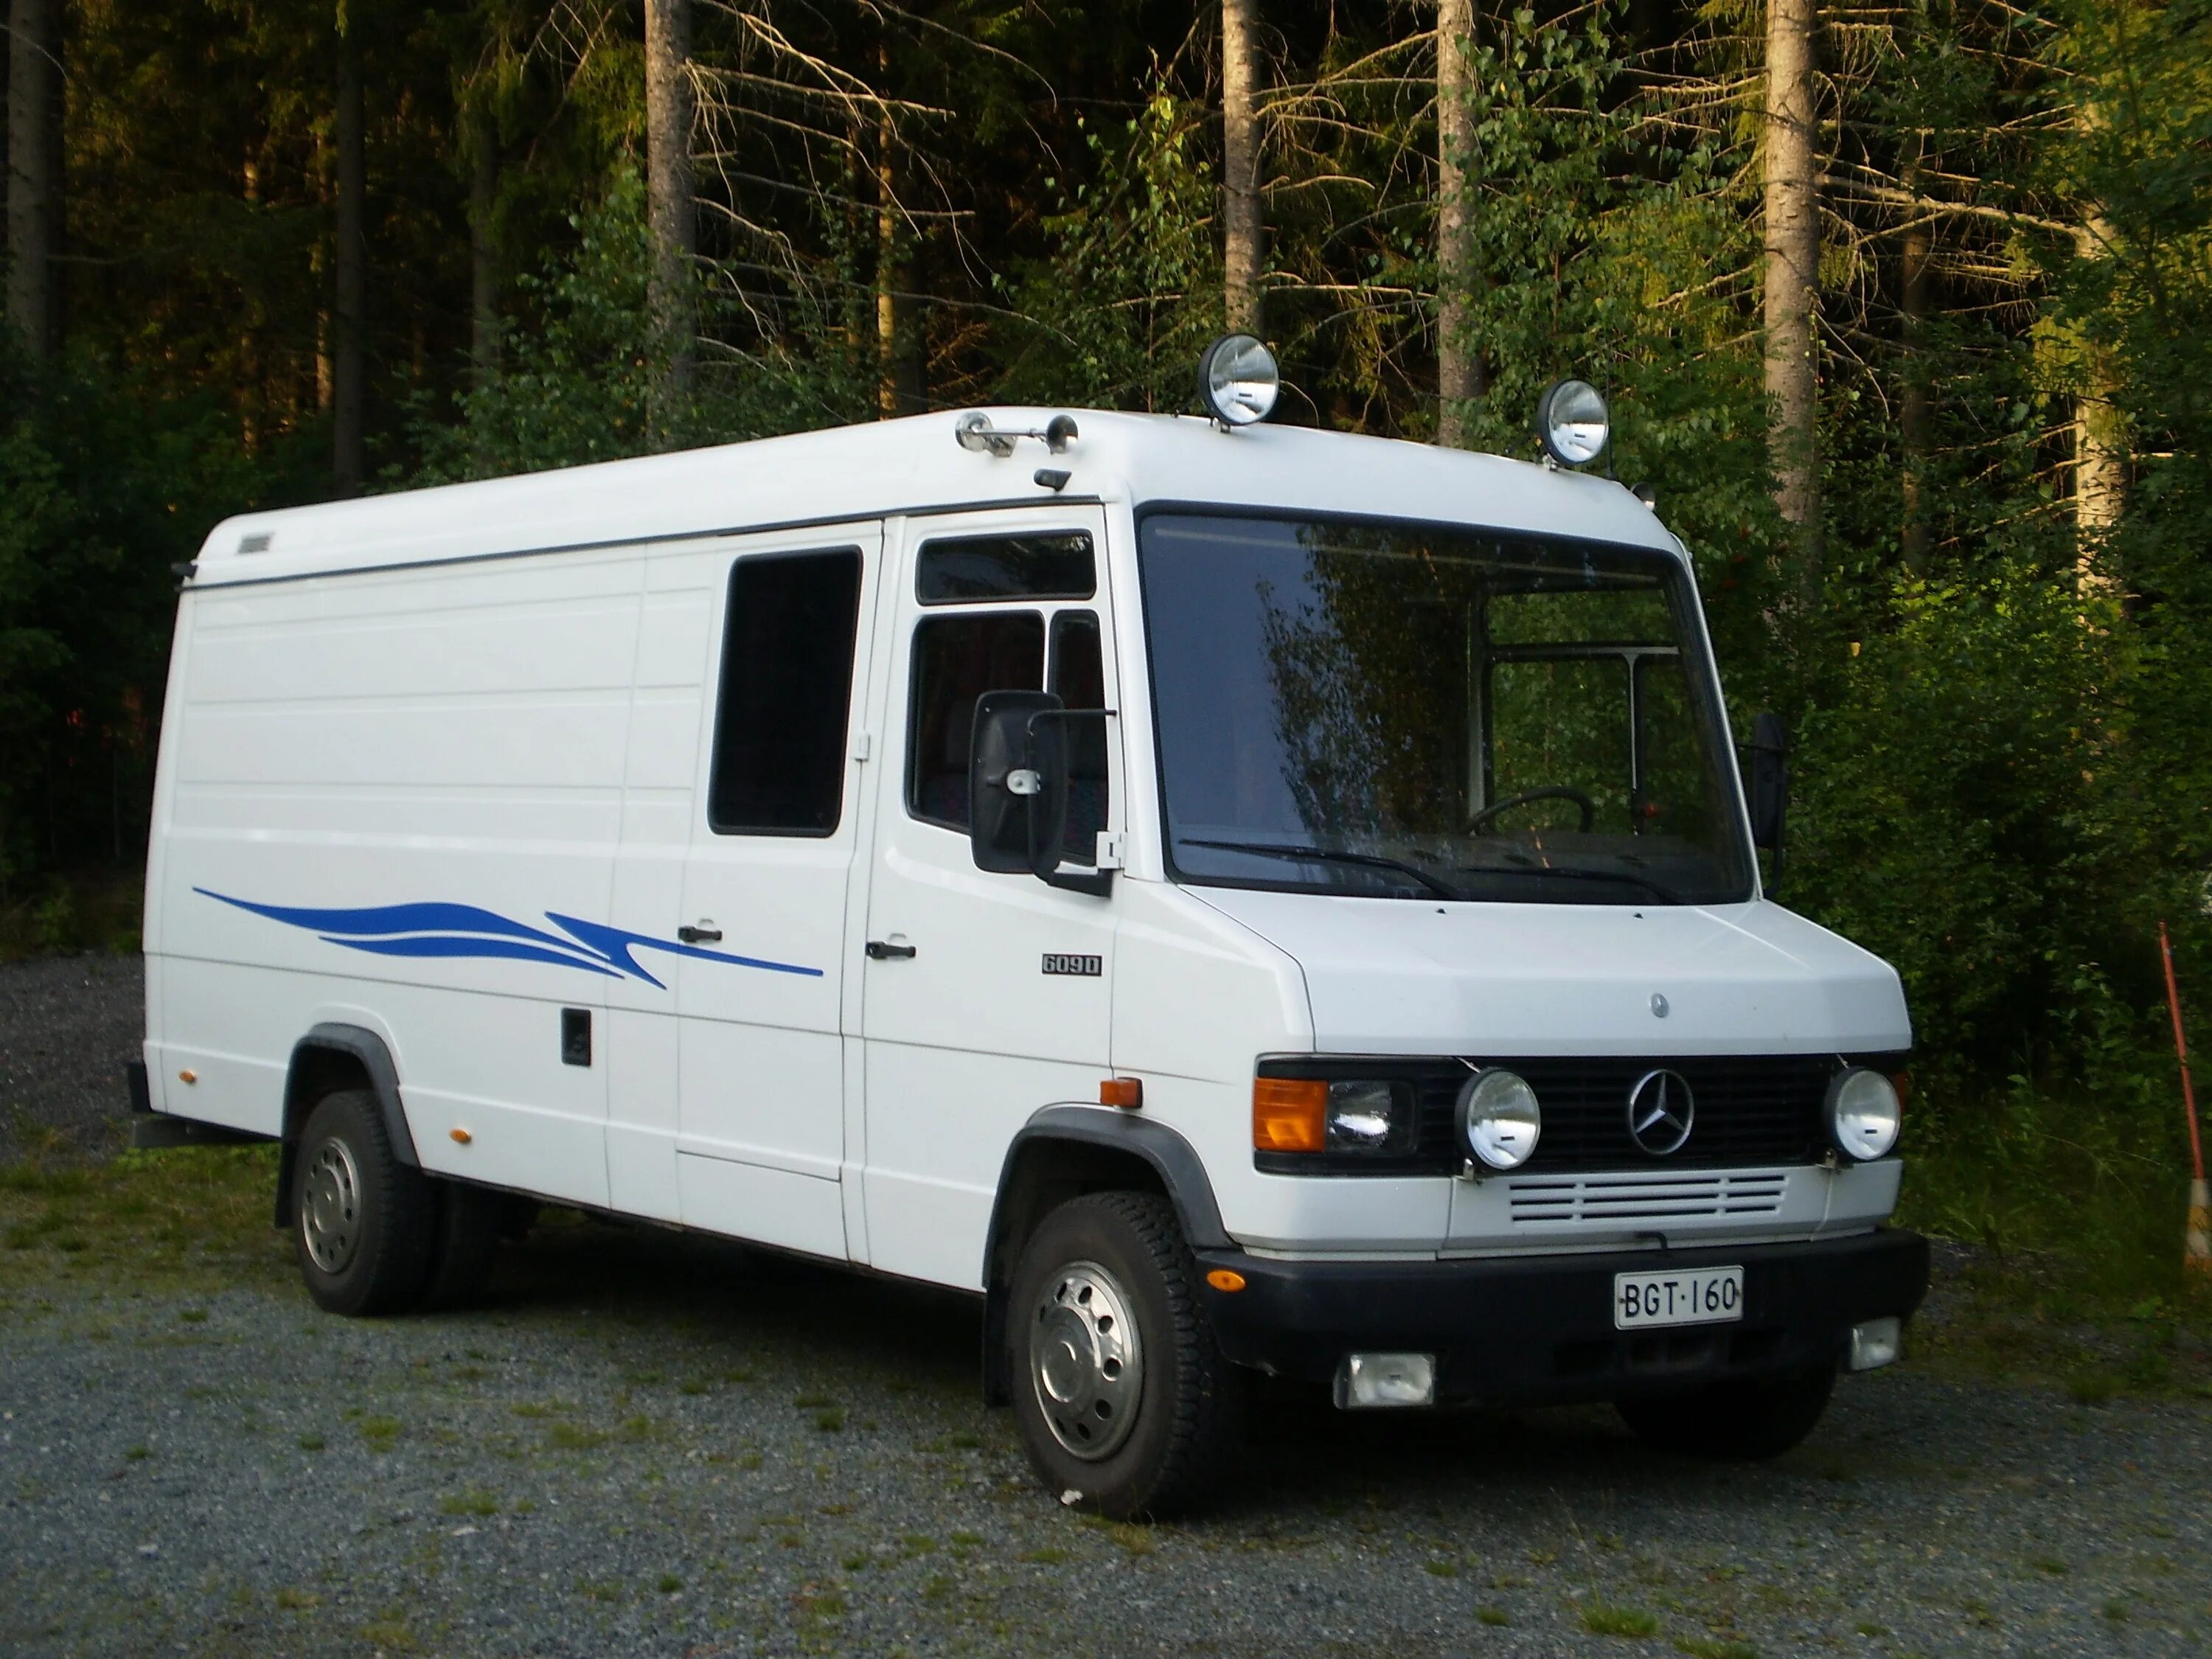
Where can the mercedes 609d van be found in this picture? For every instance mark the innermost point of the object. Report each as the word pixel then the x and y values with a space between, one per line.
pixel 1236 899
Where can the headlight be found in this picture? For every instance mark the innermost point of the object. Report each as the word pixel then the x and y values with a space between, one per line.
pixel 1370 1117
pixel 1572 422
pixel 1499 1119
pixel 1864 1114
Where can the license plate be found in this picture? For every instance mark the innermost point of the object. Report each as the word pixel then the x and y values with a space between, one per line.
pixel 1693 1295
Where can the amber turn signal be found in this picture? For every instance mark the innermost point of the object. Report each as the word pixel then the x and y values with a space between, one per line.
pixel 1226 1278
pixel 188 1077
pixel 1288 1114
pixel 461 1135
pixel 1127 1092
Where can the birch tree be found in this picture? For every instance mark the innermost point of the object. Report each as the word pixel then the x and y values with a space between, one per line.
pixel 1243 224
pixel 1791 296
pixel 672 211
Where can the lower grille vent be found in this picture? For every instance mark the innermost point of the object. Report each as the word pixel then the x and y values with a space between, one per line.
pixel 1570 1199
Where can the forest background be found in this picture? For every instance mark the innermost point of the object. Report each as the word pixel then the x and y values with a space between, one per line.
pixel 1904 307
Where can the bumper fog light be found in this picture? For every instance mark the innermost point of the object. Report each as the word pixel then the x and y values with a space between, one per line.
pixel 1876 1343
pixel 1367 1381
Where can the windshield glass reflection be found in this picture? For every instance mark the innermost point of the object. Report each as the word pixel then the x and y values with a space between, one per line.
pixel 1403 711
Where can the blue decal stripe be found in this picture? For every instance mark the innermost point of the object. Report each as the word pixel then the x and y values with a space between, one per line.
pixel 384 919
pixel 435 945
pixel 615 944
pixel 465 930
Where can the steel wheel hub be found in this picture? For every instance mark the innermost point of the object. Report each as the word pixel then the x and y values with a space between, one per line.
pixel 330 1210
pixel 1085 1361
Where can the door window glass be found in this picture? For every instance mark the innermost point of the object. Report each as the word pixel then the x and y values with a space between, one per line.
pixel 964 569
pixel 1078 678
pixel 955 660
pixel 786 681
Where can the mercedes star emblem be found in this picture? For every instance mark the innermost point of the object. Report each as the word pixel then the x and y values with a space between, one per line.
pixel 1659 1111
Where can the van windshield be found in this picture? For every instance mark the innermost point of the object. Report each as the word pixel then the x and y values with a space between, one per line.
pixel 1403 711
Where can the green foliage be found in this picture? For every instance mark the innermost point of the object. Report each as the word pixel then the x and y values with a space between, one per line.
pixel 105 489
pixel 587 383
pixel 1118 313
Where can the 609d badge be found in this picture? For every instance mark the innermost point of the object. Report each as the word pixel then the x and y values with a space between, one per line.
pixel 1081 966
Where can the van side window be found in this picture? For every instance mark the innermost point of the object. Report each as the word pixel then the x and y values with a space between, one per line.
pixel 786 687
pixel 955 660
pixel 964 569
pixel 1078 677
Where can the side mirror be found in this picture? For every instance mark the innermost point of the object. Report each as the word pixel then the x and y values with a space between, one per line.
pixel 1769 786
pixel 1017 788
pixel 1008 782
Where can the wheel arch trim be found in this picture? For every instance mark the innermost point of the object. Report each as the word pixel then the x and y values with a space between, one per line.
pixel 1077 1130
pixel 366 1050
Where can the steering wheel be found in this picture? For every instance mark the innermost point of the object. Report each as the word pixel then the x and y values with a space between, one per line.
pixel 1553 792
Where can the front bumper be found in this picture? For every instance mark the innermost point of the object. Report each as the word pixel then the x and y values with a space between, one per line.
pixel 1539 1330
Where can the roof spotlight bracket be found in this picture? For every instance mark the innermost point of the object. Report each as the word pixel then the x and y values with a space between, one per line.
pixel 973 431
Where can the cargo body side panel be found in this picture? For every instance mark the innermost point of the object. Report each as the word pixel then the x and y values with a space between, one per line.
pixel 393 801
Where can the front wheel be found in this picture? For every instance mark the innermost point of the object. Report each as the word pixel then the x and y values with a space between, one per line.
pixel 1126 1406
pixel 1739 1422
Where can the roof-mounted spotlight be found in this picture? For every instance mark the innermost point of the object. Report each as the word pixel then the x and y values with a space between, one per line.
pixel 1572 422
pixel 1238 380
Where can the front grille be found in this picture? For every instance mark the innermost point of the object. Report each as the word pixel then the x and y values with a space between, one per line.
pixel 1756 1109
pixel 1752 1111
pixel 1570 1198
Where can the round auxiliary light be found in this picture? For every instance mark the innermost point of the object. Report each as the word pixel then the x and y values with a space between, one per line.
pixel 1237 380
pixel 1572 422
pixel 1863 1114
pixel 1498 1119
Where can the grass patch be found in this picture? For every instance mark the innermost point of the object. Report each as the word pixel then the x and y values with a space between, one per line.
pixel 311 1443
pixel 468 1502
pixel 1441 1569
pixel 571 1437
pixel 830 1419
pixel 1708 1647
pixel 381 1433
pixel 1043 1557
pixel 1495 1617
pixel 668 1583
pixel 1602 1618
pixel 136 1453
pixel 298 1601
pixel 807 1403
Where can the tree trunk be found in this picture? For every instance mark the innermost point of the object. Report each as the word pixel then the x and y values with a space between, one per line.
pixel 899 388
pixel 674 214
pixel 2100 446
pixel 349 313
pixel 1240 165
pixel 1461 375
pixel 252 394
pixel 33 175
pixel 1915 420
pixel 483 259
pixel 1792 277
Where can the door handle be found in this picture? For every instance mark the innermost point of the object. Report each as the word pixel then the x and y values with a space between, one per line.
pixel 881 950
pixel 699 935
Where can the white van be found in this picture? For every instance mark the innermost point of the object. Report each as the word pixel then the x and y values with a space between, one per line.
pixel 1235 898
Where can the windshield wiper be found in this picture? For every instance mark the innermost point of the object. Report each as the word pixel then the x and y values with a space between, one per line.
pixel 1558 873
pixel 1330 855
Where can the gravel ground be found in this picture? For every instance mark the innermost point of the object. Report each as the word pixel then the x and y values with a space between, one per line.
pixel 644 1443
pixel 67 1026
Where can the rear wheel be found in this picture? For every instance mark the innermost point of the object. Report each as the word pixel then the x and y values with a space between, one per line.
pixel 1739 1422
pixel 1126 1406
pixel 363 1221
pixel 470 1224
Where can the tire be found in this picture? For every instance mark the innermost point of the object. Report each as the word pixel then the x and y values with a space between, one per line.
pixel 1106 1291
pixel 363 1223
pixel 1739 1422
pixel 470 1222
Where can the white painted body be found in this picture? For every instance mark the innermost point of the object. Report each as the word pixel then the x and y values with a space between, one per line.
pixel 500 696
